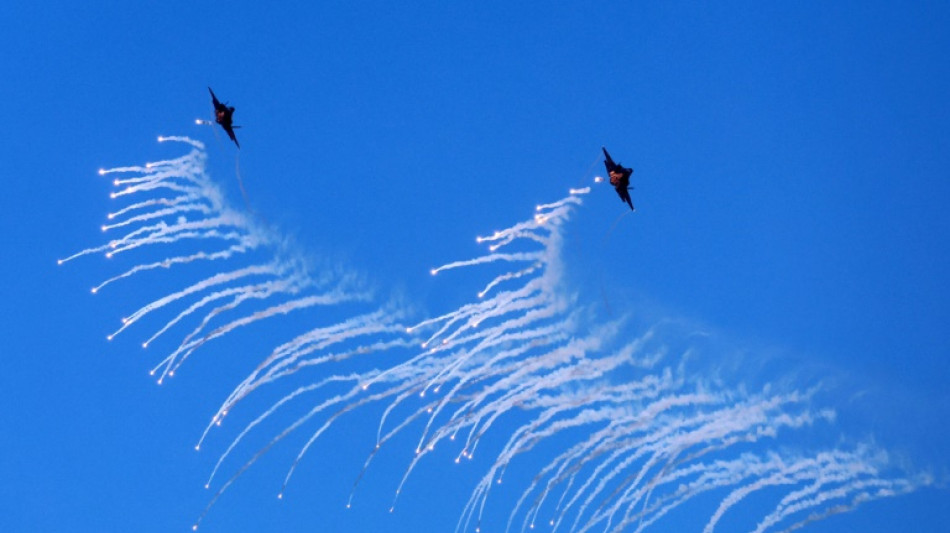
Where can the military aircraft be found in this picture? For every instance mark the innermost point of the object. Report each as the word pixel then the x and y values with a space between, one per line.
pixel 222 115
pixel 619 178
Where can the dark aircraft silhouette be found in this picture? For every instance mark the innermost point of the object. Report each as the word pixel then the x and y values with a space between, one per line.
pixel 222 115
pixel 619 178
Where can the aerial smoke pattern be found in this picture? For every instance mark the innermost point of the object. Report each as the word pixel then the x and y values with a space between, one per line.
pixel 641 434
pixel 165 194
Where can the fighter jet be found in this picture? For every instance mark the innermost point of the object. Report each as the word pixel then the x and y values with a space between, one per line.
pixel 222 115
pixel 619 178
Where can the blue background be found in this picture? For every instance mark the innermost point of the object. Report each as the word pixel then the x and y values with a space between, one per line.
pixel 792 166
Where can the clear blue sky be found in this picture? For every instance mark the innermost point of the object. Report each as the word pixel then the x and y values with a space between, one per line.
pixel 792 176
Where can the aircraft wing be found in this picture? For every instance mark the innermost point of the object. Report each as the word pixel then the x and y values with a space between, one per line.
pixel 231 135
pixel 625 196
pixel 608 161
pixel 214 99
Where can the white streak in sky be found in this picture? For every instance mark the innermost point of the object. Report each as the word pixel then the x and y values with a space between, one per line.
pixel 619 431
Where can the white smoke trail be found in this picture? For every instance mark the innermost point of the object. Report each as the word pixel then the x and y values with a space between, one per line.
pixel 181 203
pixel 640 435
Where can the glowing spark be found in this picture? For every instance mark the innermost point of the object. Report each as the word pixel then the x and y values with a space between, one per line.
pixel 533 356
